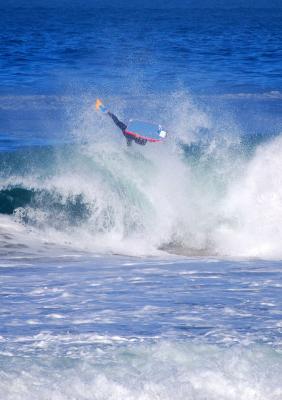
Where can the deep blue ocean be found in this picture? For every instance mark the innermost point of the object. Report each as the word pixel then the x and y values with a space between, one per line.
pixel 150 272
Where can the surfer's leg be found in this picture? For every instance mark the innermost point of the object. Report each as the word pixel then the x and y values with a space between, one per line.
pixel 118 123
pixel 129 140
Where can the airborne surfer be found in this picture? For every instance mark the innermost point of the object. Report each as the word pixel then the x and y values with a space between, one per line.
pixel 137 131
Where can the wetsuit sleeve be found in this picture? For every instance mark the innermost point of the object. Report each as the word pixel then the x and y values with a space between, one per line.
pixel 118 123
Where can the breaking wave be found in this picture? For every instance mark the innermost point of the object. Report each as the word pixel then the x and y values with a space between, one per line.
pixel 206 192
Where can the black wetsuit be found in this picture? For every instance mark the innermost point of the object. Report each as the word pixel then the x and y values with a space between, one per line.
pixel 129 138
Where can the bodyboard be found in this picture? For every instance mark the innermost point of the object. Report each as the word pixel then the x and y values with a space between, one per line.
pixel 146 130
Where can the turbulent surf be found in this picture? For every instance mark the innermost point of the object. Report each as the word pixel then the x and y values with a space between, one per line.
pixel 207 191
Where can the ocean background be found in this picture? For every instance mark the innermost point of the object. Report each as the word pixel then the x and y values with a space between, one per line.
pixel 140 273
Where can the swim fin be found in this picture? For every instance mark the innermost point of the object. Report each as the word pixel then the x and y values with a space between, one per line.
pixel 99 106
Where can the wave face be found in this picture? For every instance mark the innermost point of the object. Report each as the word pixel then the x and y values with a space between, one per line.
pixel 206 192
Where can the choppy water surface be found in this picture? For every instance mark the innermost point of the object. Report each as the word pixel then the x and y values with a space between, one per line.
pixel 120 327
pixel 47 50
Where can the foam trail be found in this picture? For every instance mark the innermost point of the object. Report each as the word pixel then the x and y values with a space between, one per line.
pixel 163 371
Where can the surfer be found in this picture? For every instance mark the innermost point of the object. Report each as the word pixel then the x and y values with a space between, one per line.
pixel 140 132
pixel 121 125
pixel 129 138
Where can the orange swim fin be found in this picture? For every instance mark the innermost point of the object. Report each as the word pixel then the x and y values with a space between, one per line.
pixel 99 106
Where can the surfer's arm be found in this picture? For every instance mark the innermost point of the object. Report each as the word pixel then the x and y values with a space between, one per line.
pixel 118 123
